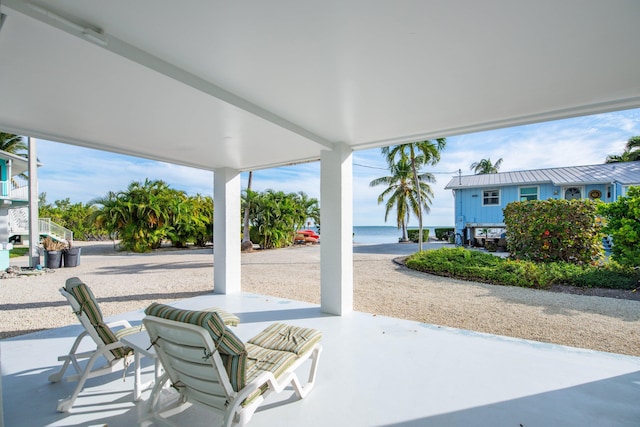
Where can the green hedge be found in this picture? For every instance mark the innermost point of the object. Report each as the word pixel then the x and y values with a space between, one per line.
pixel 554 230
pixel 622 223
pixel 414 234
pixel 444 233
pixel 483 267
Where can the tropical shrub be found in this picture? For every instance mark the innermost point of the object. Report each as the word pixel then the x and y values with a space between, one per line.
pixel 147 214
pixel 276 216
pixel 414 234
pixel 77 217
pixel 478 266
pixel 443 233
pixel 483 267
pixel 554 230
pixel 137 216
pixel 623 225
pixel 191 220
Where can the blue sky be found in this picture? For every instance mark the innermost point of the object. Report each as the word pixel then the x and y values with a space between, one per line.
pixel 82 174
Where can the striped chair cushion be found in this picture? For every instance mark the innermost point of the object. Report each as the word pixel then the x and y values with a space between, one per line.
pixel 232 350
pixel 229 319
pixel 261 359
pixel 281 337
pixel 90 308
pixel 275 349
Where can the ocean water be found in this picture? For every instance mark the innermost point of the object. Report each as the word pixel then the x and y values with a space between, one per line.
pixel 382 234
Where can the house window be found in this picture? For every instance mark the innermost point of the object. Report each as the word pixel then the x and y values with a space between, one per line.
pixel 490 197
pixel 528 193
pixel 573 193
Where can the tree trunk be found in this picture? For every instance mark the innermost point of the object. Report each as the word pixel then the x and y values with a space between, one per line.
pixel 416 182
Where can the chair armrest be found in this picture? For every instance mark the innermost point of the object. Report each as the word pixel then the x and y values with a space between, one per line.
pixel 264 378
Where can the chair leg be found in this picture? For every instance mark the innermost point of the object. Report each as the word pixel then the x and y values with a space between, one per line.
pixel 54 378
pixel 151 405
pixel 301 391
pixel 66 404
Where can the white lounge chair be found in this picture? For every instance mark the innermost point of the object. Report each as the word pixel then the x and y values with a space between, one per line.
pixel 210 366
pixel 108 347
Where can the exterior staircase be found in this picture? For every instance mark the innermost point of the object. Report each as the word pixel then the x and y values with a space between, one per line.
pixel 19 226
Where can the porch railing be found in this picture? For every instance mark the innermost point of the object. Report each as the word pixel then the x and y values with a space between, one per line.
pixel 50 228
pixel 17 188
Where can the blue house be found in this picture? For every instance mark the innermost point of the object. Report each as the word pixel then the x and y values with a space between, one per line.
pixel 14 193
pixel 480 199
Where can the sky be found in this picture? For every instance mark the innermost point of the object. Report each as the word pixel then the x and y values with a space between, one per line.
pixel 82 174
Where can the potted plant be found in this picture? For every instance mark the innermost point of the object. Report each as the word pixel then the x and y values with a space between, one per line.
pixel 52 252
pixel 71 256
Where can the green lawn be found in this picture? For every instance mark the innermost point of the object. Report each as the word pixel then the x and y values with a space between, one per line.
pixel 16 252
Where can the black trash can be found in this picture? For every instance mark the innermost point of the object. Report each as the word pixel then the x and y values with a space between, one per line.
pixel 72 257
pixel 52 259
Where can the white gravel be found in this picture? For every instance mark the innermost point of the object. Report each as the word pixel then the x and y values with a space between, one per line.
pixel 127 282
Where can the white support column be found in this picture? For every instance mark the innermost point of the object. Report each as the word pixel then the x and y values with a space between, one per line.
pixel 336 225
pixel 226 231
pixel 34 228
pixel 4 223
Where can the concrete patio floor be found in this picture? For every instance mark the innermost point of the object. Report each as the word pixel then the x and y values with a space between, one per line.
pixel 374 371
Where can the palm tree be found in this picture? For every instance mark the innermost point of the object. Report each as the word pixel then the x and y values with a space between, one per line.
pixel 485 166
pixel 418 154
pixel 309 208
pixel 140 216
pixel 631 152
pixel 402 193
pixel 13 144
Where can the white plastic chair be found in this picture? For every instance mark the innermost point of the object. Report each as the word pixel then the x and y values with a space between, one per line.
pixel 208 365
pixel 115 355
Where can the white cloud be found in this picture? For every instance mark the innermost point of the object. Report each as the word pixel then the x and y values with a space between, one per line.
pixel 82 174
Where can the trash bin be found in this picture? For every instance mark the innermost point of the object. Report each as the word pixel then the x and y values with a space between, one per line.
pixel 52 259
pixel 72 257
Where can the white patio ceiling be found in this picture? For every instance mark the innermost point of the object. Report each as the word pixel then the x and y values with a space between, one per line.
pixel 253 84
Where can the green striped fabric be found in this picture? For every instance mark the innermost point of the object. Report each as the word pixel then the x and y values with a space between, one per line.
pixel 281 337
pixel 232 350
pixel 262 359
pixel 89 306
pixel 275 349
pixel 229 319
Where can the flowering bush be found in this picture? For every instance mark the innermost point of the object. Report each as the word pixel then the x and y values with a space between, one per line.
pixel 554 230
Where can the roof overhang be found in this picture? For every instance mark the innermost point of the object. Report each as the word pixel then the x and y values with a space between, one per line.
pixel 19 164
pixel 253 84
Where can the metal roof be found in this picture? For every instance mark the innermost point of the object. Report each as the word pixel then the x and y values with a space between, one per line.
pixel 624 173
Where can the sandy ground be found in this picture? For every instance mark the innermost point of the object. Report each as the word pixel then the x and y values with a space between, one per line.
pixel 125 282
